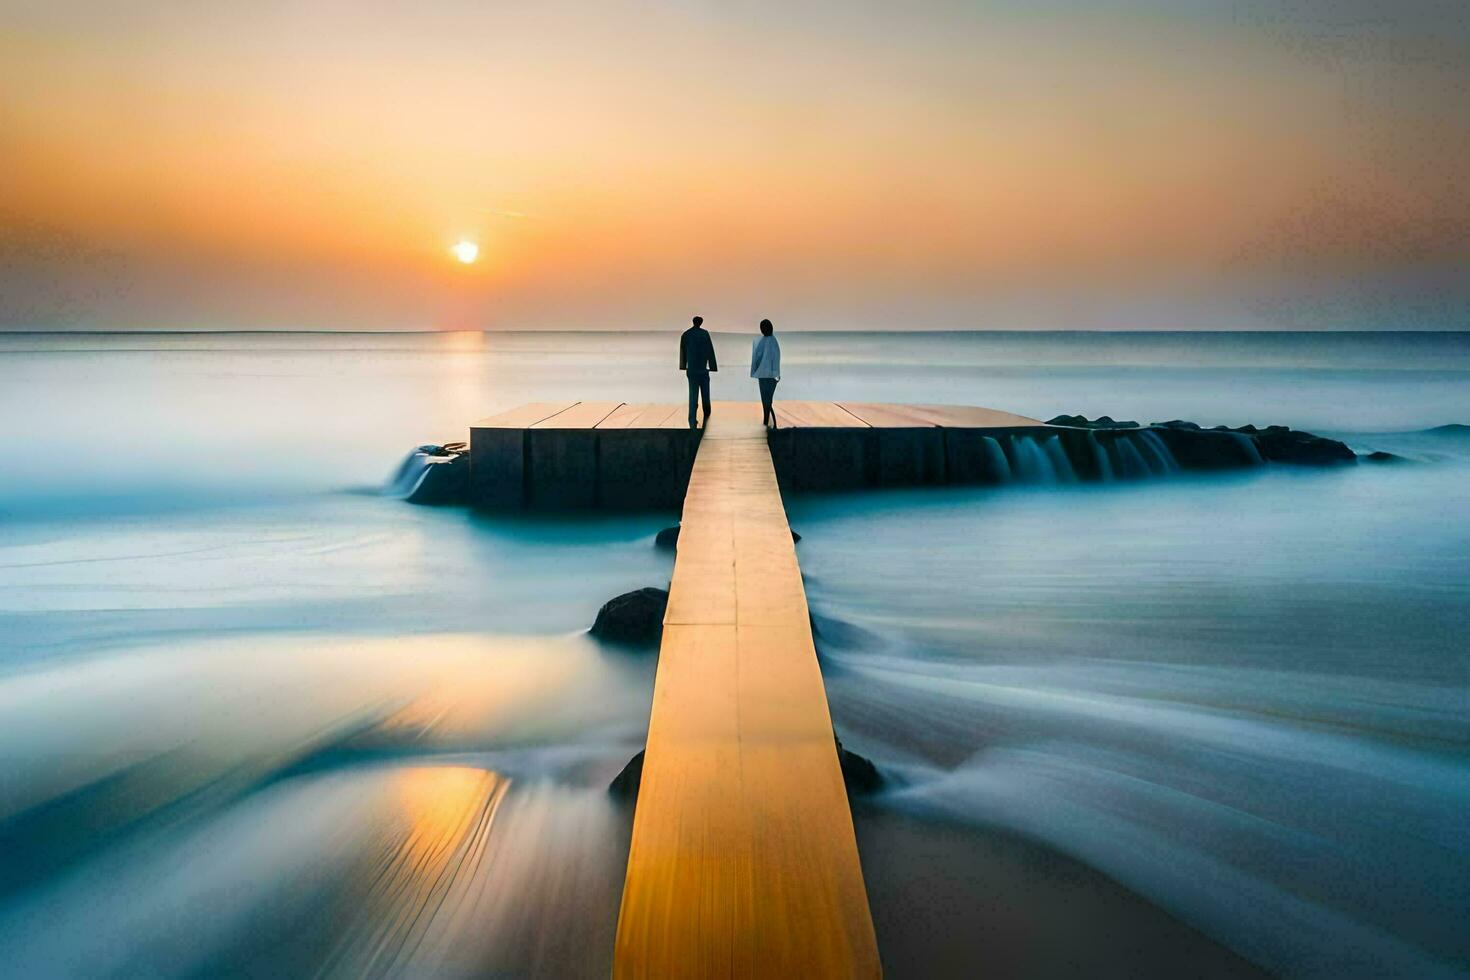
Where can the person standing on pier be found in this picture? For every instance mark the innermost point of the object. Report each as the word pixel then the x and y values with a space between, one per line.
pixel 765 368
pixel 697 360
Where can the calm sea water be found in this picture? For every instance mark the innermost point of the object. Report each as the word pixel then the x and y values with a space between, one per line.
pixel 256 719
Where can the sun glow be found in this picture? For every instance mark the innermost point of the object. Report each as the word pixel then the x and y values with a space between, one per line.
pixel 466 251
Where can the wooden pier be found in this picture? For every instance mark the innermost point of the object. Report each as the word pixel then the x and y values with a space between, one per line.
pixel 743 861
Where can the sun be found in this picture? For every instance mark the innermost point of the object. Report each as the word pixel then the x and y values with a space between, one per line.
pixel 466 251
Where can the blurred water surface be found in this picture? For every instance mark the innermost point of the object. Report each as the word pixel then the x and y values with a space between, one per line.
pixel 256 720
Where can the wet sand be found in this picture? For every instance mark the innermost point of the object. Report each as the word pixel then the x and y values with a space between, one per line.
pixel 955 901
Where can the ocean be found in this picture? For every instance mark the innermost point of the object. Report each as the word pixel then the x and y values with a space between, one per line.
pixel 259 718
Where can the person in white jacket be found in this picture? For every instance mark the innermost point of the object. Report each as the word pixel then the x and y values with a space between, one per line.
pixel 765 367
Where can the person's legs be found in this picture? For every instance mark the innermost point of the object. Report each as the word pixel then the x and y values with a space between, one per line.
pixel 768 391
pixel 693 399
pixel 704 391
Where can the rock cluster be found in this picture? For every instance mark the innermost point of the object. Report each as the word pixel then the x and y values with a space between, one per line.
pixel 1279 443
pixel 1082 422
pixel 1222 447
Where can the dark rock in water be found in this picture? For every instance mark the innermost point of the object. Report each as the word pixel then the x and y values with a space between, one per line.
pixel 859 773
pixel 1382 457
pixel 633 618
pixel 1081 422
pixel 840 633
pixel 1194 448
pixel 625 784
pixel 1279 444
pixel 669 537
pixel 444 478
pixel 1273 444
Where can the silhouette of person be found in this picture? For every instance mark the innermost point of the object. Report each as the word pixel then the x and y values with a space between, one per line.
pixel 765 368
pixel 697 360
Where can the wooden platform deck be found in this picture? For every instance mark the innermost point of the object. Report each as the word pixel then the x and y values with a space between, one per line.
pixel 789 414
pixel 743 860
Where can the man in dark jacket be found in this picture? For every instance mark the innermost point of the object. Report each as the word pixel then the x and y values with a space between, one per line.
pixel 697 360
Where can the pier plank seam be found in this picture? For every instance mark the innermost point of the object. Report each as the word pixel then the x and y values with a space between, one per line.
pixel 582 415
pixel 743 860
pixel 523 416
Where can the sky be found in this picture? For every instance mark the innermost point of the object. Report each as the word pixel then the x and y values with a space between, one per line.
pixel 1096 164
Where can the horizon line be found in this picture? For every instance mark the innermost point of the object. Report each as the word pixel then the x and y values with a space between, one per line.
pixel 357 331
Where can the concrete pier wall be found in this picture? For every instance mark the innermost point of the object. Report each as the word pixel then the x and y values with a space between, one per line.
pixel 630 469
pixel 812 459
pixel 577 469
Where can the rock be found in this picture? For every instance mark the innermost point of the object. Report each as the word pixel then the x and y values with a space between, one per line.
pixel 1279 444
pixel 840 633
pixel 1380 456
pixel 442 478
pixel 625 784
pixel 1081 422
pixel 1274 444
pixel 669 537
pixel 1194 448
pixel 633 618
pixel 859 773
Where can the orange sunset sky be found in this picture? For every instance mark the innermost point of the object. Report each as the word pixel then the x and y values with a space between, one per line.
pixel 880 165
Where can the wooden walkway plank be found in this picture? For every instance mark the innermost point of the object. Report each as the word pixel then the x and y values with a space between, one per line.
pixel 659 417
pixel 624 417
pixel 522 416
pixel 889 416
pixel 825 415
pixel 582 415
pixel 924 416
pixel 643 415
pixel 743 861
pixel 970 417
